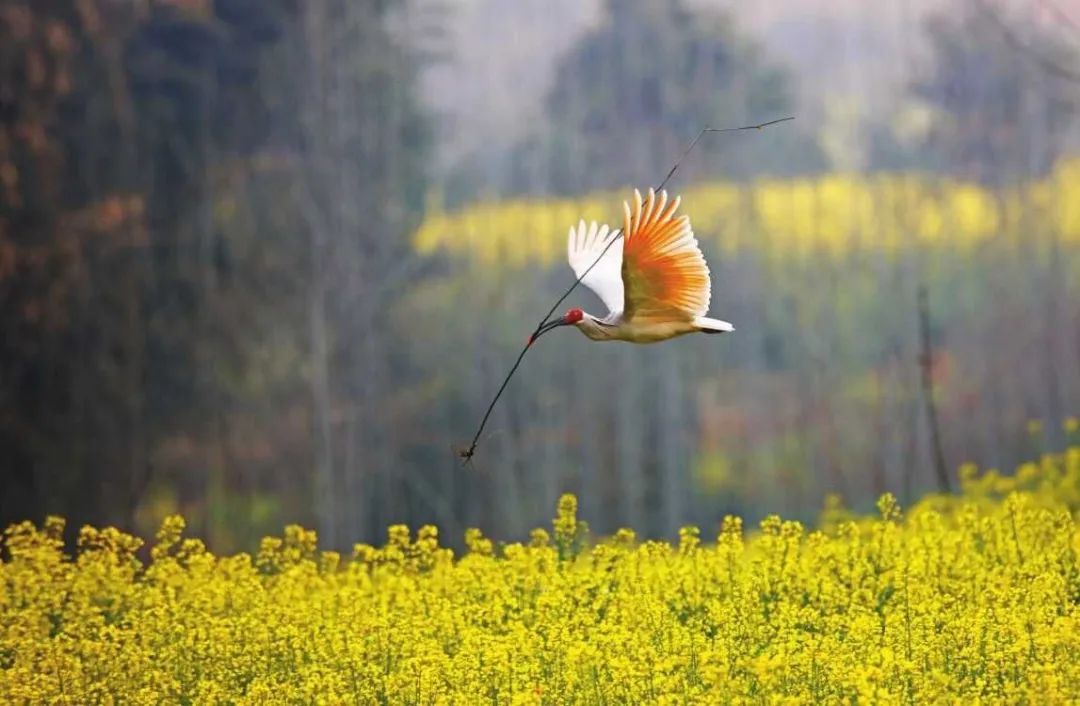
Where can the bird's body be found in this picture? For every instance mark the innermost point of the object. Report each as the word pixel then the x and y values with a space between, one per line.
pixel 653 280
pixel 614 328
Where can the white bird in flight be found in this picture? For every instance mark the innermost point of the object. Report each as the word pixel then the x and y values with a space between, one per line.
pixel 653 280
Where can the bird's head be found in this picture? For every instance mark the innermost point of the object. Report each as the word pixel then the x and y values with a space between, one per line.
pixel 570 318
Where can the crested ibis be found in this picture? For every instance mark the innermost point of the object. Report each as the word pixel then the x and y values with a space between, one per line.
pixel 654 280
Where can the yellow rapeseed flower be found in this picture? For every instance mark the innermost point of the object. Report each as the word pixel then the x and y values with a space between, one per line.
pixel 833 215
pixel 958 599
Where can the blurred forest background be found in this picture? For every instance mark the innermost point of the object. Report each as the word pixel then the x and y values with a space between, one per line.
pixel 266 261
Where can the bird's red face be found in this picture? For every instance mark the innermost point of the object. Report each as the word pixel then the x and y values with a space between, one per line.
pixel 570 318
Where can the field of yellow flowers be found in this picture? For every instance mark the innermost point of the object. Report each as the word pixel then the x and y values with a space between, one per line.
pixel 834 215
pixel 957 599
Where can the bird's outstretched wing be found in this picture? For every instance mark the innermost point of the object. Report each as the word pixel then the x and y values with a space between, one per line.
pixel 663 271
pixel 583 247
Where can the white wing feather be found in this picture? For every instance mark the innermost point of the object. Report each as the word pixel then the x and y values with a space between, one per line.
pixel 605 279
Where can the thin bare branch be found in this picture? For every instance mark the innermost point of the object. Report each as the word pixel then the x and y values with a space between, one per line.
pixel 1023 48
pixel 1059 14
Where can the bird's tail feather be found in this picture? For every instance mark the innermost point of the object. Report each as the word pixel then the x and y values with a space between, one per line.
pixel 712 325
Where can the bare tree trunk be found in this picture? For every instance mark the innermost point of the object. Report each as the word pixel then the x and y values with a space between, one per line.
pixel 558 448
pixel 318 177
pixel 671 458
pixel 320 392
pixel 507 504
pixel 926 364
pixel 135 354
pixel 629 432
pixel 586 412
pixel 1053 326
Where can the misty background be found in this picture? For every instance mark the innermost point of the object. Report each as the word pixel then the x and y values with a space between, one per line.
pixel 267 261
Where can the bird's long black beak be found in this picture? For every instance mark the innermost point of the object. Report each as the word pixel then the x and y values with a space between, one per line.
pixel 553 324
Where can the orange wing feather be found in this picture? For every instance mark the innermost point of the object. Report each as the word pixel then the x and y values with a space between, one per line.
pixel 664 273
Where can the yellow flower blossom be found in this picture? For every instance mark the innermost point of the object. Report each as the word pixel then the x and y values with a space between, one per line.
pixel 972 598
pixel 834 215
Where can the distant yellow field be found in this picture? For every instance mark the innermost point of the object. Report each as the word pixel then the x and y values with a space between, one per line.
pixel 835 214
pixel 957 600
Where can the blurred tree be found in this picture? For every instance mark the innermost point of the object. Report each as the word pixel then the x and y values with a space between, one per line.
pixel 631 93
pixel 73 229
pixel 999 114
pixel 116 124
pixel 361 140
